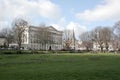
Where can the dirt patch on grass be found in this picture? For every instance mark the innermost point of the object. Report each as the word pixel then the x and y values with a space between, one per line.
pixel 18 63
pixel 94 58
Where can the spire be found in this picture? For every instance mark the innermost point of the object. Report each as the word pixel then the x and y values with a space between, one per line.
pixel 73 34
pixel 74 38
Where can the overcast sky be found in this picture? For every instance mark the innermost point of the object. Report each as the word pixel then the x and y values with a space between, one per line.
pixel 83 15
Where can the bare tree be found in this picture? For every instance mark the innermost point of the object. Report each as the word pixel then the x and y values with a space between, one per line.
pixel 116 37
pixel 7 33
pixel 117 28
pixel 98 37
pixel 115 42
pixel 107 36
pixel 86 39
pixel 67 39
pixel 19 27
pixel 102 36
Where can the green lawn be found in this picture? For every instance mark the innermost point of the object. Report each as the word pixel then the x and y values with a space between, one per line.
pixel 60 67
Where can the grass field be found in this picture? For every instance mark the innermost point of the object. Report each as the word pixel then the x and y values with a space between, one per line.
pixel 60 67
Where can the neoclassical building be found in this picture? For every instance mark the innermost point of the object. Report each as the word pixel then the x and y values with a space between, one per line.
pixel 42 38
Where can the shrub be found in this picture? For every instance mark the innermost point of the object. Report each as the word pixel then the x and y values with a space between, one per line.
pixel 8 52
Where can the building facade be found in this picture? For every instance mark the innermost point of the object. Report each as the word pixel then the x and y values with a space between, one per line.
pixel 42 38
pixel 96 47
pixel 3 41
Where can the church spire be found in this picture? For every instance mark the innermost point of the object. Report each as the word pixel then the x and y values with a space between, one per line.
pixel 74 38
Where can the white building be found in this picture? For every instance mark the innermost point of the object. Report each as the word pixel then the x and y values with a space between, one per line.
pixel 2 41
pixel 37 38
pixel 96 47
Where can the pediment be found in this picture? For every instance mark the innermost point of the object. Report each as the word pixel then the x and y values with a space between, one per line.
pixel 52 28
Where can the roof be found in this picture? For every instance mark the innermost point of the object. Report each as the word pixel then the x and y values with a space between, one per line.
pixel 48 27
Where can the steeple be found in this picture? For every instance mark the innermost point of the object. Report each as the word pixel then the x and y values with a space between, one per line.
pixel 74 38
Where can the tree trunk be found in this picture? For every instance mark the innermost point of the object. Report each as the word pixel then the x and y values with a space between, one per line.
pixel 19 50
pixel 101 47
